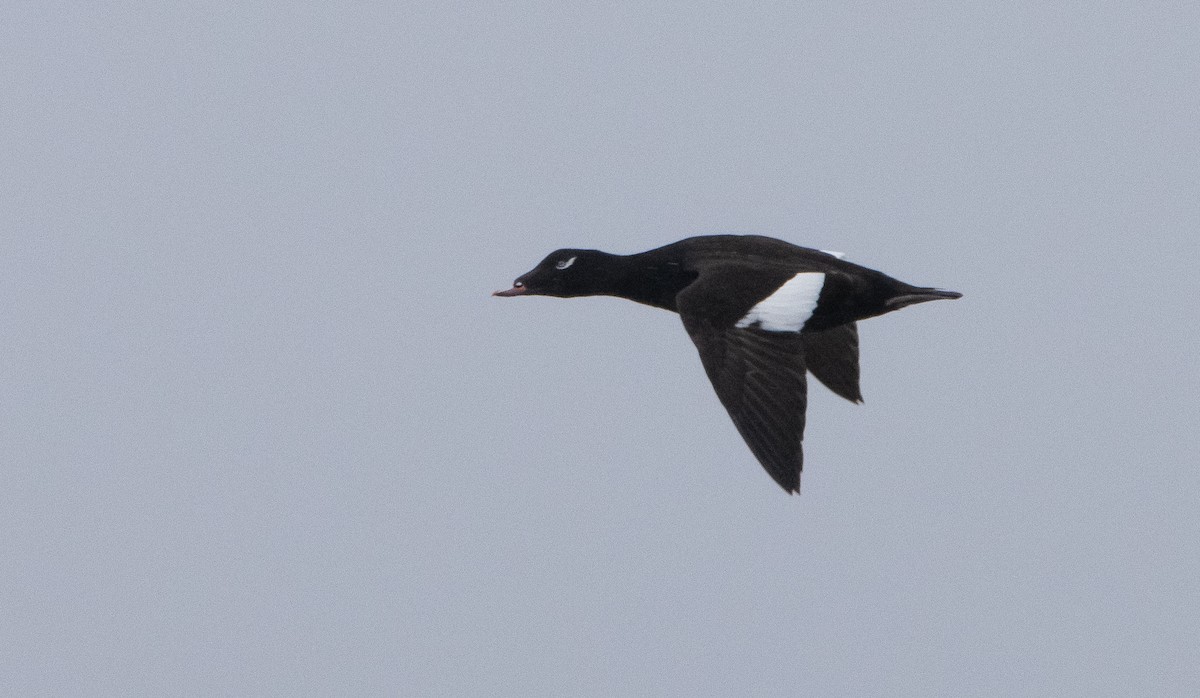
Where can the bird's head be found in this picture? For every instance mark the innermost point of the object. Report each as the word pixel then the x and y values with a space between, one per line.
pixel 564 273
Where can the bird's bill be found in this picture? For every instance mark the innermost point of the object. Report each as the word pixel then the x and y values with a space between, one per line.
pixel 514 291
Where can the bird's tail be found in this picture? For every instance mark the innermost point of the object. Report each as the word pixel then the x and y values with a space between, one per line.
pixel 914 295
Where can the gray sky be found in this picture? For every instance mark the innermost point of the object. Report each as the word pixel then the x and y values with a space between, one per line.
pixel 264 431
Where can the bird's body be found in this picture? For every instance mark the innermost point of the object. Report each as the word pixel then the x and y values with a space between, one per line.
pixel 761 312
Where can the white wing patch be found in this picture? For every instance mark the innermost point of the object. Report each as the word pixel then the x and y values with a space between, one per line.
pixel 565 264
pixel 788 308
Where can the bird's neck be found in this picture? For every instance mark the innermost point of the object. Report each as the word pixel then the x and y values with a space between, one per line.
pixel 646 278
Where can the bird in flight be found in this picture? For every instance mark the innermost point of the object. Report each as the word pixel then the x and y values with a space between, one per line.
pixel 762 312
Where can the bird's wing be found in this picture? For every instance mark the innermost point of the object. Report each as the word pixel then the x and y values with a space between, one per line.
pixel 759 376
pixel 760 379
pixel 832 357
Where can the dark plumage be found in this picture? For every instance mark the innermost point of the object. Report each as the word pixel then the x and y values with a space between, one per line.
pixel 762 313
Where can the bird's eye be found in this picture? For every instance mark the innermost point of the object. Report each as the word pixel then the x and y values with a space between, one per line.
pixel 518 284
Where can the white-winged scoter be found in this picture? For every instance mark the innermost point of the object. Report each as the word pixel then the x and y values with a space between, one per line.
pixel 761 311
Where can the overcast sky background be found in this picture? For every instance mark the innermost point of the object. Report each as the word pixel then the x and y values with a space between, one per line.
pixel 264 431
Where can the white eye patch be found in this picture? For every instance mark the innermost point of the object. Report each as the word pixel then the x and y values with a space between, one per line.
pixel 564 264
